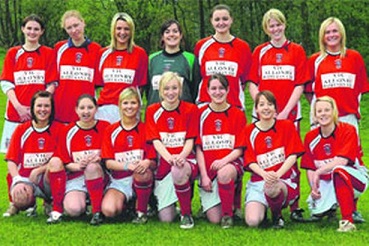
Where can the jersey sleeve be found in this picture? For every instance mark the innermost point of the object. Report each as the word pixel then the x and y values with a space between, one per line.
pixel 240 126
pixel 311 72
pixel 307 160
pixel 151 128
pixel 8 67
pixel 142 69
pixel 362 77
pixel 14 153
pixel 292 140
pixel 348 143
pixel 247 61
pixel 192 122
pixel 302 72
pixel 255 67
pixel 107 151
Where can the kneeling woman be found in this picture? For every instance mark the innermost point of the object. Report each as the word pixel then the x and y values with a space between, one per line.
pixel 80 150
pixel 218 152
pixel 172 128
pixel 334 177
pixel 272 148
pixel 129 159
pixel 31 147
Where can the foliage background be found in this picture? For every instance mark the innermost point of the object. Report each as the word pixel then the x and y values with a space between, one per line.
pixel 304 18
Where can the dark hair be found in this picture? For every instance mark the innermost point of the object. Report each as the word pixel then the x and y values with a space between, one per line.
pixel 83 96
pixel 43 94
pixel 220 7
pixel 33 17
pixel 269 97
pixel 222 79
pixel 165 26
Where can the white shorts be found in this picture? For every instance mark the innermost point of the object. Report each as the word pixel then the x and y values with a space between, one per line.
pixel 123 185
pixel 76 184
pixel 9 128
pixel 108 113
pixel 352 120
pixel 210 199
pixel 165 192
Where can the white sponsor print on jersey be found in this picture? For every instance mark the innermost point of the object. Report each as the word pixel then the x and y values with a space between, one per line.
pixel 218 141
pixel 283 72
pixel 84 154
pixel 173 139
pixel 128 157
pixel 338 80
pixel 76 73
pixel 33 160
pixel 271 158
pixel 227 68
pixel 118 75
pixel 33 77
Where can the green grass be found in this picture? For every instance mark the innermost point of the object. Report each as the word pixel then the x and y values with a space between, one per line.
pixel 20 230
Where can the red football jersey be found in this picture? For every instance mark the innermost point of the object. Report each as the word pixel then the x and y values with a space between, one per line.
pixel 30 148
pixel 172 128
pixel 76 71
pixel 269 149
pixel 118 69
pixel 219 133
pixel 28 72
pixel 232 59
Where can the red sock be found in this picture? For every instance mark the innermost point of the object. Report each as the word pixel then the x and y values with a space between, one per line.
pixel 276 204
pixel 57 186
pixel 344 193
pixel 143 191
pixel 237 195
pixel 184 197
pixel 95 188
pixel 226 194
pixel 295 204
pixel 9 181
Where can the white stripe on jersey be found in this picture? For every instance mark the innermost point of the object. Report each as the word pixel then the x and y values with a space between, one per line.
pixel 204 47
pixel 63 48
pixel 25 135
pixel 70 136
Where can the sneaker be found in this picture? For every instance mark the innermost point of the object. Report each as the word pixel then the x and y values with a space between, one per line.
pixel 141 219
pixel 237 214
pixel 12 210
pixel 226 222
pixel 31 211
pixel 357 217
pixel 97 219
pixel 186 222
pixel 297 215
pixel 346 226
pixel 278 223
pixel 55 217
pixel 48 207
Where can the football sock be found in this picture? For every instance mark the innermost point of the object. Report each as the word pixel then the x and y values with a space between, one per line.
pixel 276 204
pixel 226 194
pixel 143 191
pixel 57 184
pixel 95 188
pixel 184 197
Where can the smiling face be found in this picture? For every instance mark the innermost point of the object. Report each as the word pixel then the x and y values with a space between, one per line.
pixel 265 109
pixel 42 109
pixel 122 34
pixel 75 28
pixel 32 31
pixel 324 113
pixel 172 36
pixel 276 30
pixel 129 107
pixel 217 91
pixel 86 110
pixel 221 21
pixel 171 91
pixel 332 38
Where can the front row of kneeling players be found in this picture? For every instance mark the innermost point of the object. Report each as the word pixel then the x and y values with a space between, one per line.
pixel 159 156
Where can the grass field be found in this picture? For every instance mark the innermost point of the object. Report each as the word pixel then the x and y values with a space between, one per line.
pixel 20 230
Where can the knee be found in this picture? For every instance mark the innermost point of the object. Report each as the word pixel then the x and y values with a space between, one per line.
pixel 93 170
pixel 74 209
pixel 55 164
pixel 178 175
pixel 252 221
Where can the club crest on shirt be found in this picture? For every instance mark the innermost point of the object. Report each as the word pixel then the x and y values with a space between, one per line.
pixel 268 142
pixel 29 62
pixel 170 123
pixel 130 140
pixel 41 143
pixel 119 60
pixel 327 149
pixel 338 63
pixel 78 57
pixel 218 125
pixel 88 140
pixel 221 52
pixel 278 57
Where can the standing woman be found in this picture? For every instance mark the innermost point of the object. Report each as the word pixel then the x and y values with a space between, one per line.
pixel 226 54
pixel 79 150
pixel 218 152
pixel 31 147
pixel 27 69
pixel 272 148
pixel 333 174
pixel 173 58
pixel 75 63
pixel 129 158
pixel 172 128
pixel 280 66
pixel 121 65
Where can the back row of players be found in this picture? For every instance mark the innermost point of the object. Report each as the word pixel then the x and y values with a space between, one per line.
pixel 76 66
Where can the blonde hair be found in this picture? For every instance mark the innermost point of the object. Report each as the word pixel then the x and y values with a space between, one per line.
pixel 128 93
pixel 71 13
pixel 127 18
pixel 341 30
pixel 329 100
pixel 273 14
pixel 165 79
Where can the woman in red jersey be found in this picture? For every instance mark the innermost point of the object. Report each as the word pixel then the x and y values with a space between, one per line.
pixel 76 60
pixel 121 65
pixel 27 69
pixel 272 148
pixel 129 158
pixel 333 175
pixel 31 147
pixel 226 54
pixel 172 127
pixel 218 152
